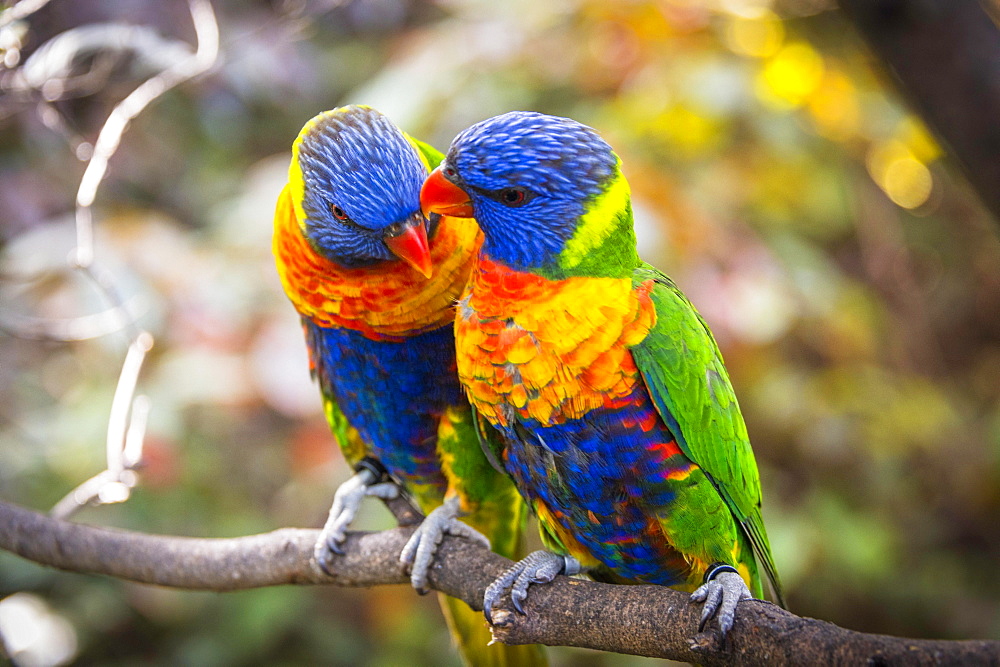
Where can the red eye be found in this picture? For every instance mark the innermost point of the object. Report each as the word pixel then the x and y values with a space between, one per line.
pixel 339 213
pixel 513 196
pixel 449 171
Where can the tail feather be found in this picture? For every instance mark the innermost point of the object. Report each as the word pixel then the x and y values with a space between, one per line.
pixel 497 511
pixel 754 530
pixel 470 631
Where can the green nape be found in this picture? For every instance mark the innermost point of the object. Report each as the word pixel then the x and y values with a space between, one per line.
pixel 603 245
pixel 429 155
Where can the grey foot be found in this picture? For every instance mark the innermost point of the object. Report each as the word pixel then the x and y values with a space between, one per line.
pixel 346 502
pixel 721 594
pixel 538 567
pixel 418 553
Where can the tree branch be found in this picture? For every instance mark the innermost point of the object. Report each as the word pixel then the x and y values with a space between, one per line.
pixel 642 620
pixel 945 56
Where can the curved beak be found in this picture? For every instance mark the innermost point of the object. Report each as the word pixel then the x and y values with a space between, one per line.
pixel 408 241
pixel 440 195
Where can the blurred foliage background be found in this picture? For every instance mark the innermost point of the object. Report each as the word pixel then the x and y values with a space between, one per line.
pixel 850 276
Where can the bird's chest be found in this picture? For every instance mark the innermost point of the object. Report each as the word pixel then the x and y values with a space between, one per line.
pixel 546 356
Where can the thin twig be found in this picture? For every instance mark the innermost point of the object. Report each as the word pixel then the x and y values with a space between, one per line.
pixel 70 329
pixel 207 34
pixel 126 422
pixel 126 428
pixel 121 405
pixel 21 10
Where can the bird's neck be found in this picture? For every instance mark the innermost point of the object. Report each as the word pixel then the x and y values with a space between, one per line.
pixel 388 300
pixel 498 291
pixel 601 243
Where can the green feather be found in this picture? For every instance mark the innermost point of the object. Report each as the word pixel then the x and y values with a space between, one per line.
pixel 683 370
pixel 603 243
pixel 431 156
pixel 682 367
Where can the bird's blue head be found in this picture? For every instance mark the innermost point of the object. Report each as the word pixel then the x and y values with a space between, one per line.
pixel 547 192
pixel 355 184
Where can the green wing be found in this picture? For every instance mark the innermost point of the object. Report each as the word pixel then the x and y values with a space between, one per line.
pixel 682 367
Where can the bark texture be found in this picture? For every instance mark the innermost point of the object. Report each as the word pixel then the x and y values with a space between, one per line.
pixel 642 620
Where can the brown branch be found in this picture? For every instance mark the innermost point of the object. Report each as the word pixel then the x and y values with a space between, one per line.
pixel 642 620
pixel 945 58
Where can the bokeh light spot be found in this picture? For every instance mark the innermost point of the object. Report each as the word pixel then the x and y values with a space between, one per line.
pixel 905 180
pixel 790 76
pixel 759 37
pixel 834 107
pixel 688 130
pixel 908 182
pixel 914 134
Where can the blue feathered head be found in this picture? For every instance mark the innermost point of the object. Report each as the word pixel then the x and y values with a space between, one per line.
pixel 355 179
pixel 534 182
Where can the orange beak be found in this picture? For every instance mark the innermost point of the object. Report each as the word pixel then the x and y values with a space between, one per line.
pixel 439 195
pixel 408 241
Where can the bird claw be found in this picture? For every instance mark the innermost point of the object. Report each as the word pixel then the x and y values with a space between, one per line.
pixel 420 549
pixel 720 596
pixel 538 567
pixel 346 502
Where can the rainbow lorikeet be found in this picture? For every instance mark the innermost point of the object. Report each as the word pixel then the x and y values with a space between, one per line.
pixel 597 386
pixel 375 282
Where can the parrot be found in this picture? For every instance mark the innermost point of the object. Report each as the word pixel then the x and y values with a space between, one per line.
pixel 595 384
pixel 374 283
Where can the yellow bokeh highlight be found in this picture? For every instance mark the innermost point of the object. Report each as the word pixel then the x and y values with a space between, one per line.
pixel 834 106
pixel 759 36
pixel 686 130
pixel 905 179
pixel 790 76
pixel 908 182
pixel 914 134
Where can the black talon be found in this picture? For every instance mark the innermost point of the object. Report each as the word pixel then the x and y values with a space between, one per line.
pixel 537 567
pixel 322 562
pixel 488 611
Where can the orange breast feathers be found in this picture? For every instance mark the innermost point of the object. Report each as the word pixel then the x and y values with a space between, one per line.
pixel 377 301
pixel 548 350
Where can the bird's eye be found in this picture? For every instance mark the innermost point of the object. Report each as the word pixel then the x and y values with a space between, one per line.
pixel 339 213
pixel 514 196
pixel 450 172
